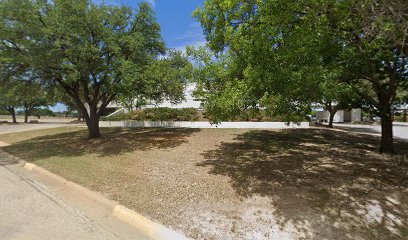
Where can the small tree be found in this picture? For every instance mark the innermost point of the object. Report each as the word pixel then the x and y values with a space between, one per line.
pixel 9 98
pixel 337 96
pixel 32 96
pixel 39 112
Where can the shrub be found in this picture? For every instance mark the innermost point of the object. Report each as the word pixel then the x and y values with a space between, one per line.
pixel 157 114
pixel 4 112
pixel 38 112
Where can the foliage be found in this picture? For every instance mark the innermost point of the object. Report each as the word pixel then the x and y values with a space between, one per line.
pixel 32 95
pixel 288 51
pixel 9 95
pixel 163 79
pixel 158 114
pixel 90 51
pixel 4 112
pixel 39 112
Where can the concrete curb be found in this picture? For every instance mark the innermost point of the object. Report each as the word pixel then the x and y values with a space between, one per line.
pixel 151 229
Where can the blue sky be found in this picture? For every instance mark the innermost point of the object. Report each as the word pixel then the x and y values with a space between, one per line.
pixel 178 27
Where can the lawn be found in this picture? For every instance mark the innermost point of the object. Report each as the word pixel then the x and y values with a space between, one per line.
pixel 236 183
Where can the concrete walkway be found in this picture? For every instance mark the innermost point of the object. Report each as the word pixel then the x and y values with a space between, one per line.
pixel 29 209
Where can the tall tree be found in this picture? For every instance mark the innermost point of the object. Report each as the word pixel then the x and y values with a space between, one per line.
pixel 88 50
pixel 283 46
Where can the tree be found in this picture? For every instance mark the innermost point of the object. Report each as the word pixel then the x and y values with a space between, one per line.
pixel 163 79
pixel 9 100
pixel 337 96
pixel 39 112
pixel 9 97
pixel 32 96
pixel 88 50
pixel 283 45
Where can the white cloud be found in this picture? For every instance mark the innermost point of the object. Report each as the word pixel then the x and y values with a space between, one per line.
pixel 192 37
pixel 194 32
pixel 193 44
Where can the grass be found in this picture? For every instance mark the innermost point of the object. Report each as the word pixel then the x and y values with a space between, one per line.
pixel 236 184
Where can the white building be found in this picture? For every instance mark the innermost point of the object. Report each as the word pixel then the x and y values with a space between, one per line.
pixel 189 102
pixel 341 116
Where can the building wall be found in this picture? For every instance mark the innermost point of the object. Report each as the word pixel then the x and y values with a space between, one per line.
pixel 323 116
pixel 341 116
pixel 189 102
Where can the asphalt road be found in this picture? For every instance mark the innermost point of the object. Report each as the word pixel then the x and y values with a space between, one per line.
pixel 10 128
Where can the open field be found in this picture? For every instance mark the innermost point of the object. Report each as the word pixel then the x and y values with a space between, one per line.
pixel 236 183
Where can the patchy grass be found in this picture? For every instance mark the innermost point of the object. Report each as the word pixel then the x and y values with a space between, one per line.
pixel 236 184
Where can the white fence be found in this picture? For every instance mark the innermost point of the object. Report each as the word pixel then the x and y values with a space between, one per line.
pixel 179 124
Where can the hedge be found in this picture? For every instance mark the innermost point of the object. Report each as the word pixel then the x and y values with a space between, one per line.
pixel 157 114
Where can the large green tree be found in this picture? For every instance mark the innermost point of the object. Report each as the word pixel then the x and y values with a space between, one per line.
pixel 88 50
pixel 282 47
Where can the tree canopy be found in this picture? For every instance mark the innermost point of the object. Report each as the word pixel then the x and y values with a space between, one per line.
pixel 287 49
pixel 89 51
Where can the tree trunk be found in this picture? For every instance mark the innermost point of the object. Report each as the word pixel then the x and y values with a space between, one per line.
pixel 93 123
pixel 12 112
pixel 25 116
pixel 387 144
pixel 13 115
pixel 331 118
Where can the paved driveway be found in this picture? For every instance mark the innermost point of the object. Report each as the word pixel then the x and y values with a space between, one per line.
pixel 400 129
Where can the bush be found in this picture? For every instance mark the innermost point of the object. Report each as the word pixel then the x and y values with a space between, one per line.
pixel 157 114
pixel 4 112
pixel 38 112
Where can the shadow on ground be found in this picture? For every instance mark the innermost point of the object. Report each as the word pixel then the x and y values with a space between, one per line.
pixel 320 179
pixel 114 141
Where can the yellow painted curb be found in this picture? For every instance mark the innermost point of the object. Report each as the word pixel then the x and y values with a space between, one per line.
pixel 29 166
pixel 148 227
pixel 91 195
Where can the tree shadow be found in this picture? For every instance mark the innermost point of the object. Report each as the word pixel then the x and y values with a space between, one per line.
pixel 332 184
pixel 114 141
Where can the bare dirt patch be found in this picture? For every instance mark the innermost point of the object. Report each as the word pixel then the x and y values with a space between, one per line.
pixel 238 184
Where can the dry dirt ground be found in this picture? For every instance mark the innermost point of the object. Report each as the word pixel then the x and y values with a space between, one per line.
pixel 237 184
